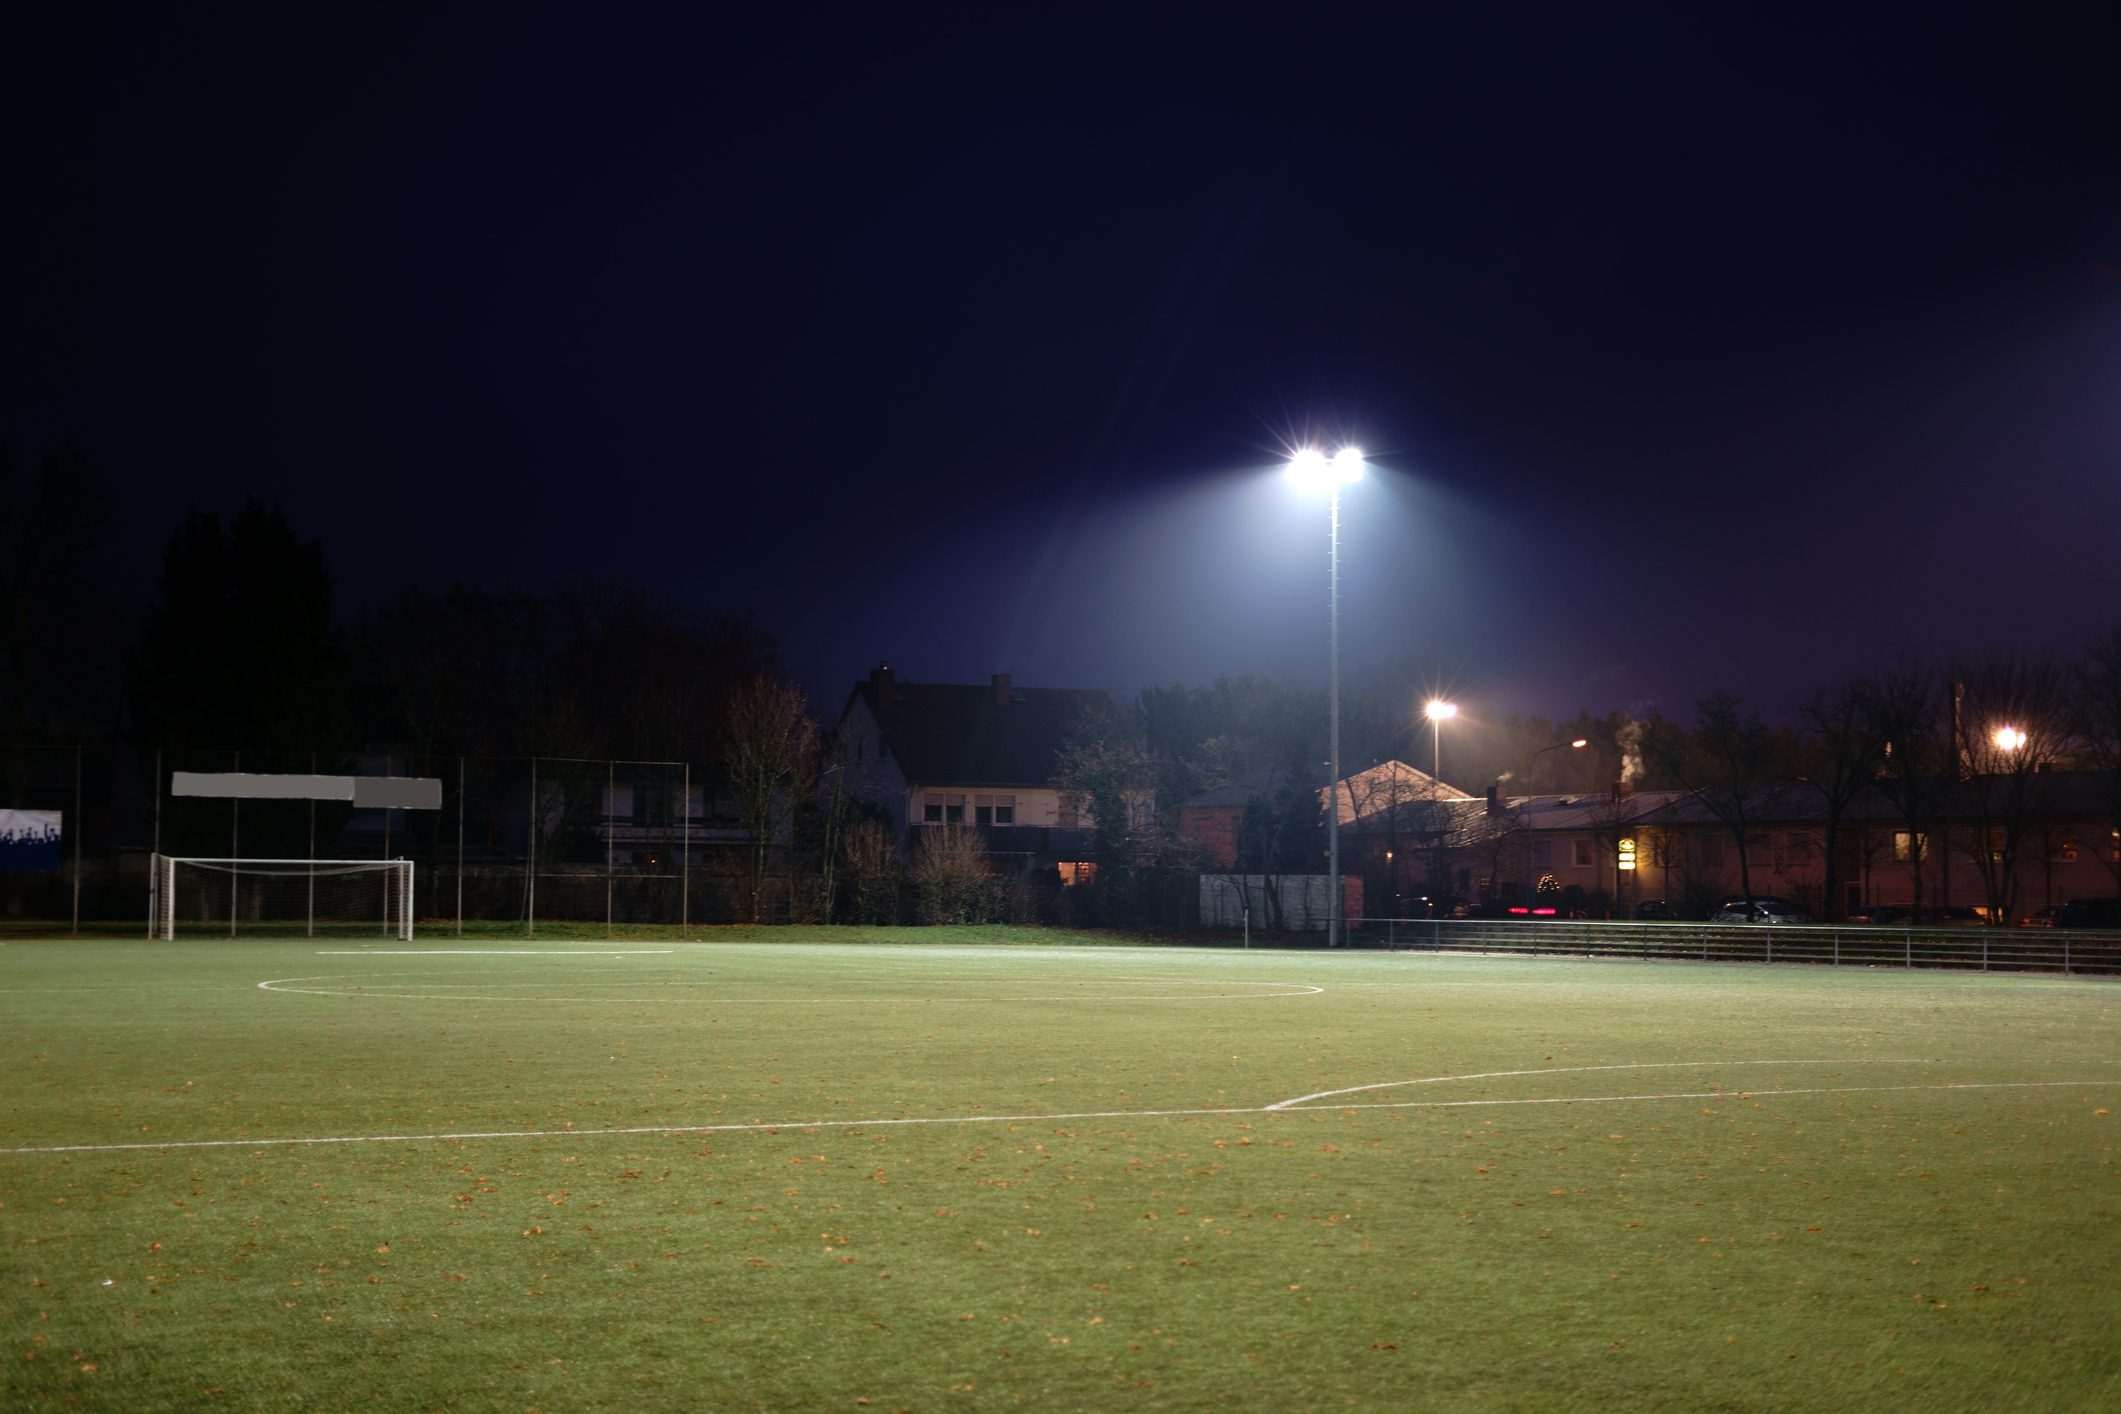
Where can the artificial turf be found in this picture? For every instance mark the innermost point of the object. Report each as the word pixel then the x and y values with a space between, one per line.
pixel 1892 1239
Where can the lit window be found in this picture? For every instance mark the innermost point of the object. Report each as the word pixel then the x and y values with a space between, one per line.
pixel 1072 874
pixel 1907 847
pixel 2061 848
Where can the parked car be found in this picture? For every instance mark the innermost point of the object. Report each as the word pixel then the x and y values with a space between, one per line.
pixel 2045 918
pixel 1656 911
pixel 1765 908
pixel 2090 913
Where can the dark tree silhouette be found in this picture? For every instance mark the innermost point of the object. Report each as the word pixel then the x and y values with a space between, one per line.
pixel 239 651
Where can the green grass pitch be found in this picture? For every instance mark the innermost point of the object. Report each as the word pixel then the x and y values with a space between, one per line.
pixel 828 1170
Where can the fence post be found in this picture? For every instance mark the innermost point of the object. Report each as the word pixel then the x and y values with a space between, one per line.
pixel 1984 949
pixel 2065 954
pixel 1704 942
pixel 1909 938
pixel 77 841
pixel 1771 947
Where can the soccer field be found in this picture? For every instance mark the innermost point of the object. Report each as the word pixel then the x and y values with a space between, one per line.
pixel 784 1172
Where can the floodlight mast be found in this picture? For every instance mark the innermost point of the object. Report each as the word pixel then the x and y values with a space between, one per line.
pixel 1310 467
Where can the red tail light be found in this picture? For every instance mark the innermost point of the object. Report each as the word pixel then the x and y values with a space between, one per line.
pixel 1544 912
pixel 1520 910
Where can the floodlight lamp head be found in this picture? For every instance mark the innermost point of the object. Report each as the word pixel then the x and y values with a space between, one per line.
pixel 1580 742
pixel 2009 738
pixel 1308 468
pixel 1442 711
pixel 1347 465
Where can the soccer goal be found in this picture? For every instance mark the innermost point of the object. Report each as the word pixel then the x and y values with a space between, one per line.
pixel 302 898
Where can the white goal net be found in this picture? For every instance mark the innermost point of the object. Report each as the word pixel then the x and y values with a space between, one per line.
pixel 338 898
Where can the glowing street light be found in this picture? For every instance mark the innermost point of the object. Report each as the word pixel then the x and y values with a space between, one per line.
pixel 1577 745
pixel 1313 471
pixel 2009 738
pixel 1438 713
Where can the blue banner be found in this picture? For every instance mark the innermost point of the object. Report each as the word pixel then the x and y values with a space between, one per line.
pixel 29 841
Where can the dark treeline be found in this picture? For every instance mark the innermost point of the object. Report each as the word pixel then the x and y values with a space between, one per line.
pixel 59 628
pixel 241 646
pixel 590 670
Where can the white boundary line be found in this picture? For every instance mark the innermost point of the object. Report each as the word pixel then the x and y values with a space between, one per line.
pixel 1567 1070
pixel 491 952
pixel 814 1124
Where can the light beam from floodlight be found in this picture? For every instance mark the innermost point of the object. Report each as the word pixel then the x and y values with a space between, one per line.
pixel 1309 468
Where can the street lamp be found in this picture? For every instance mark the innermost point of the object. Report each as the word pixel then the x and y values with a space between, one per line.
pixel 1438 712
pixel 1576 745
pixel 2009 738
pixel 1310 469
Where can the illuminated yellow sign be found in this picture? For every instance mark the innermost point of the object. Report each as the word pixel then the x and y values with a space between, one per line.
pixel 1627 854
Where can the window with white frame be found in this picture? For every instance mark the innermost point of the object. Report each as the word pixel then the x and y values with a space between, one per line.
pixel 939 809
pixel 994 810
pixel 1580 853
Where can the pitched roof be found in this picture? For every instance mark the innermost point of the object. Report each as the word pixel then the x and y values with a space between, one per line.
pixel 1378 787
pixel 950 734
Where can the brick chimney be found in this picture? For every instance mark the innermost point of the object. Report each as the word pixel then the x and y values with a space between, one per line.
pixel 1498 798
pixel 1001 689
pixel 1623 790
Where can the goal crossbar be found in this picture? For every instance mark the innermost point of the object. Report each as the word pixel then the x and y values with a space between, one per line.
pixel 342 896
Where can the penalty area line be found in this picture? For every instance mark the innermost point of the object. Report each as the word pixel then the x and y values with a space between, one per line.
pixel 775 1127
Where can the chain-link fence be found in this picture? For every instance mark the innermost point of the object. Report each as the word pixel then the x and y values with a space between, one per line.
pixel 517 840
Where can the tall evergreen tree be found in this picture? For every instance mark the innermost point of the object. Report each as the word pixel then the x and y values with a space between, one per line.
pixel 240 651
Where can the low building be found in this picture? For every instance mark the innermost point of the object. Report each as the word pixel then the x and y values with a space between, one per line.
pixel 1610 853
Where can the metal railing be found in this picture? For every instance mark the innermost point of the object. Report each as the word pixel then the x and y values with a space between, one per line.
pixel 1824 945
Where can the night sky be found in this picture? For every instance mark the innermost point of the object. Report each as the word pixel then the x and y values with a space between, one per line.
pixel 1692 353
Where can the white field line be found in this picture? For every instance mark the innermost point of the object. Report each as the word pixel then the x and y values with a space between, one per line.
pixel 492 952
pixel 1570 1070
pixel 1715 1095
pixel 815 1124
pixel 1290 989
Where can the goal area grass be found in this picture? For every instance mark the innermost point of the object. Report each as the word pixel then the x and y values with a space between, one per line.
pixel 827 1170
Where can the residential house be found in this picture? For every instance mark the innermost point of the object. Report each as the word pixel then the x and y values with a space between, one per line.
pixel 941 754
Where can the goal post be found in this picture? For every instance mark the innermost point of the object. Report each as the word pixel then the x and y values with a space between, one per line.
pixel 299 898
